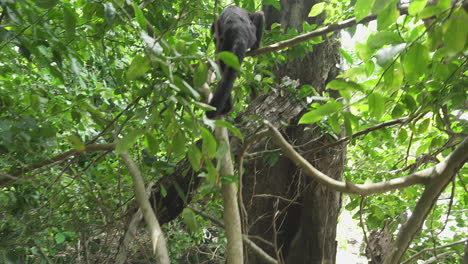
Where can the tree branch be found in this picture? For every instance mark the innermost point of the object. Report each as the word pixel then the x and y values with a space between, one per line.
pixel 457 158
pixel 159 243
pixel 431 249
pixel 316 33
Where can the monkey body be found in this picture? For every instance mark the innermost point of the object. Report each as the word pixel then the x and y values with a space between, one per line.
pixel 236 30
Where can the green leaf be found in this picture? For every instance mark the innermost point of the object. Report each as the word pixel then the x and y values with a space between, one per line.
pixel 76 143
pixel 416 6
pixel 456 31
pixel 153 146
pixel 139 66
pixel 231 128
pixel 209 143
pixel 60 238
pixel 387 17
pixel 340 84
pixel 320 112
pixel 363 51
pixel 424 126
pixel 179 143
pixel 317 9
pixel 376 105
pixel 212 174
pixel 139 17
pixel 398 111
pixel 402 135
pixel 230 59
pixel 127 141
pixel 381 38
pixel 70 21
pixel 194 156
pixel 45 3
pixel 189 219
pixel 415 62
pixel 362 8
pixel 380 5
pixel 346 55
pixel 347 123
pixel 200 75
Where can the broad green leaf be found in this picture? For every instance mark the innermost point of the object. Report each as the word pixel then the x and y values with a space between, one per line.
pixel 382 38
pixel 393 79
pixel 387 17
pixel 70 21
pixel 139 66
pixel 76 143
pixel 320 112
pixel 456 31
pixel 45 3
pixel 231 128
pixel 139 17
pixel 415 62
pixel 127 141
pixel 402 135
pixel 347 123
pixel 153 146
pixel 380 5
pixel 340 84
pixel 200 75
pixel 194 156
pixel 230 59
pixel 416 6
pixel 179 143
pixel 376 105
pixel 423 126
pixel 189 219
pixel 209 143
pixel 317 9
pixel 363 8
pixel 346 55
pixel 212 174
pixel 409 101
pixel 60 238
pixel 398 111
pixel 363 51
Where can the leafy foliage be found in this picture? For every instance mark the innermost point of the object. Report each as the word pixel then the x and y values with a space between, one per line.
pixel 74 73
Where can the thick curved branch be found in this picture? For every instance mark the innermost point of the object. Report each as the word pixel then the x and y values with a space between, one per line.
pixel 159 242
pixel 440 175
pixel 456 159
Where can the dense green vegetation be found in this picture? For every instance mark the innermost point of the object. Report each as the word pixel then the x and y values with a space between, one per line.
pixel 74 73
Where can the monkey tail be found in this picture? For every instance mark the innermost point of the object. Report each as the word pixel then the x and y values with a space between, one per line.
pixel 222 97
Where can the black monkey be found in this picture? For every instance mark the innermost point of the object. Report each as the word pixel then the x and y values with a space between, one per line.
pixel 236 30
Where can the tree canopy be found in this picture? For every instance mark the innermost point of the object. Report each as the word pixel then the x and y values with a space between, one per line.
pixel 90 90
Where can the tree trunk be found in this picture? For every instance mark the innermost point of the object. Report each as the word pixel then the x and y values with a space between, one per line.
pixel 297 215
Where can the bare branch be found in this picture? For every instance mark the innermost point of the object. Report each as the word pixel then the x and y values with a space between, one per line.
pixel 440 175
pixel 456 159
pixel 436 248
pixel 316 33
pixel 159 242
pixel 234 251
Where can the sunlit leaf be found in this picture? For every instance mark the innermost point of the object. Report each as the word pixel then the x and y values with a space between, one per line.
pixel 317 9
pixel 230 59
pixel 320 112
pixel 363 8
pixel 139 66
